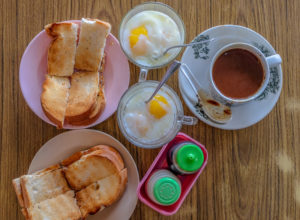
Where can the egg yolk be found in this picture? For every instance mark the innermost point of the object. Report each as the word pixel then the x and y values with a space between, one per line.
pixel 135 34
pixel 158 106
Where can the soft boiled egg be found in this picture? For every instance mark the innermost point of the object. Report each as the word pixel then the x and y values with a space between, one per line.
pixel 148 34
pixel 149 121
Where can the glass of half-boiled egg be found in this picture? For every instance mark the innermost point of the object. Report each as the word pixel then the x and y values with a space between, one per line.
pixel 147 31
pixel 152 124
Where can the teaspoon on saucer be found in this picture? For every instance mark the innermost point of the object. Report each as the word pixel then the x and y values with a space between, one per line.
pixel 215 110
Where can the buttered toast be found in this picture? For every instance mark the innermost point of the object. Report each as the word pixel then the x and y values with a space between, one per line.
pixel 54 98
pixel 101 193
pixel 82 96
pixel 61 53
pixel 73 92
pixel 90 168
pixel 61 207
pixel 92 40
pixel 94 179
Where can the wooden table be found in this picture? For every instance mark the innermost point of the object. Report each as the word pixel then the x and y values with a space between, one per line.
pixel 253 173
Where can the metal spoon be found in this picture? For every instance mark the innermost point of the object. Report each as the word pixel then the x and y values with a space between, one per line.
pixel 172 69
pixel 215 110
pixel 180 45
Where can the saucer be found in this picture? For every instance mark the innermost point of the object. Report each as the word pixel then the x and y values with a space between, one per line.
pixel 33 68
pixel 67 143
pixel 198 59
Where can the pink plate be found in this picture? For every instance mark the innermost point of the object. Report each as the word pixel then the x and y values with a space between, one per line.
pixel 33 68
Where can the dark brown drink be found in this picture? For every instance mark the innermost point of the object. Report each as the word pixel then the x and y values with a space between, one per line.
pixel 238 73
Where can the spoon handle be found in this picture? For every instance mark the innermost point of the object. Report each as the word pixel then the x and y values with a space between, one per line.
pixel 186 45
pixel 185 73
pixel 172 69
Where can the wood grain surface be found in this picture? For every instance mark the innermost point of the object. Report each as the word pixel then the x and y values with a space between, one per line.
pixel 253 173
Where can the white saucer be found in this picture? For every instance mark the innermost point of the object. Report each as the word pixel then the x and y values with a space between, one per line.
pixel 198 59
pixel 67 143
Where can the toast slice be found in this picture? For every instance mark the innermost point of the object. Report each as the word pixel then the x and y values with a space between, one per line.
pixel 92 40
pixel 98 109
pixel 54 98
pixel 101 193
pixel 61 207
pixel 107 149
pixel 17 183
pixel 90 168
pixel 36 188
pixel 82 96
pixel 61 53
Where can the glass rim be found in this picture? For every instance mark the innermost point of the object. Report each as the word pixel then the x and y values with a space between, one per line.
pixel 171 134
pixel 179 49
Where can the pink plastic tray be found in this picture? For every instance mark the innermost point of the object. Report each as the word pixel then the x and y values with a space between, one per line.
pixel 160 162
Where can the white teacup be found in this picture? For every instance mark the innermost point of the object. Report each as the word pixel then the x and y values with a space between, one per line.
pixel 266 63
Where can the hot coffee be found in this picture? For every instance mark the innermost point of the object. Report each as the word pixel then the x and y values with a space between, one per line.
pixel 238 74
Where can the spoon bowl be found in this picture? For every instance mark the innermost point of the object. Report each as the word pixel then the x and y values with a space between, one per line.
pixel 216 111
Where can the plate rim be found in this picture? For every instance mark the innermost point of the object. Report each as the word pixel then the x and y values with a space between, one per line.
pixel 223 126
pixel 71 127
pixel 101 133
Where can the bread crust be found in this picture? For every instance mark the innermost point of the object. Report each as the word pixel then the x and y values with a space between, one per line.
pixel 101 193
pixel 18 190
pixel 82 96
pixel 91 44
pixel 52 180
pixel 61 53
pixel 61 207
pixel 90 168
pixel 97 111
pixel 54 98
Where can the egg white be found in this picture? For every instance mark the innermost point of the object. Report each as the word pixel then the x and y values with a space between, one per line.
pixel 162 33
pixel 141 124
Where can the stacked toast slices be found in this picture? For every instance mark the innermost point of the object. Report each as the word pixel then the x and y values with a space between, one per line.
pixel 82 184
pixel 73 91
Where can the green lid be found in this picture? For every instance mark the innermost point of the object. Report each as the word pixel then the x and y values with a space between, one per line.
pixel 166 190
pixel 189 158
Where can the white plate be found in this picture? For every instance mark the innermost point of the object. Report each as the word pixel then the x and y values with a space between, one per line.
pixel 198 59
pixel 67 143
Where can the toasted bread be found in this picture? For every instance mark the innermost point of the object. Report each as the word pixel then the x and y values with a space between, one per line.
pixel 110 150
pixel 92 40
pixel 54 98
pixel 17 182
pixel 61 207
pixel 90 168
pixel 107 149
pixel 83 96
pixel 98 109
pixel 101 193
pixel 39 187
pixel 61 53
pixel 17 186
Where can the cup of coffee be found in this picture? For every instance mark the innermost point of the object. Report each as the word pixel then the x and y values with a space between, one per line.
pixel 239 72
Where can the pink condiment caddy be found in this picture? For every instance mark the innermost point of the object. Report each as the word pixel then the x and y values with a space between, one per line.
pixel 187 181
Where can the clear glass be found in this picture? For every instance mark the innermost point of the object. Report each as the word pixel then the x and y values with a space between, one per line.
pixel 153 6
pixel 177 124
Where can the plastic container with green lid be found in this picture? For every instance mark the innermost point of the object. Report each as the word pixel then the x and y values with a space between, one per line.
pixel 185 158
pixel 163 187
